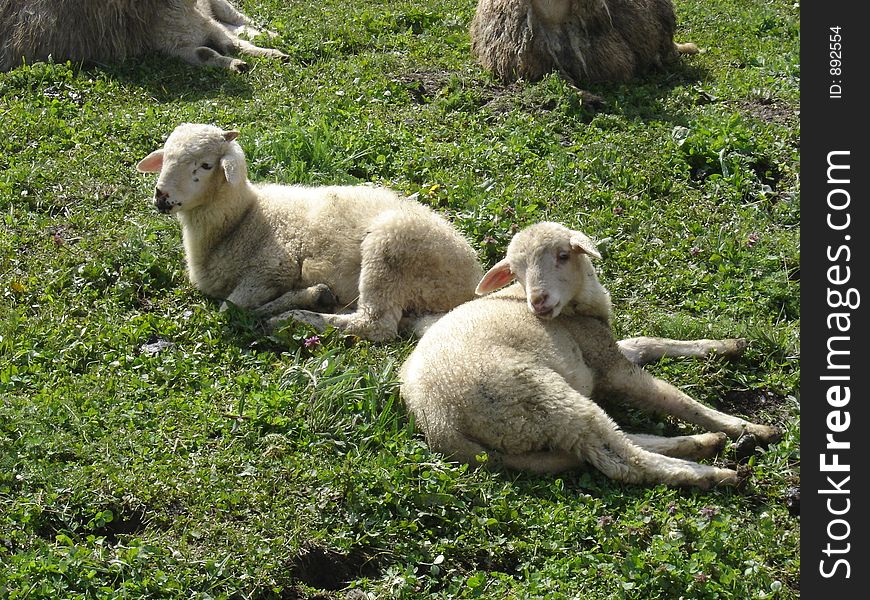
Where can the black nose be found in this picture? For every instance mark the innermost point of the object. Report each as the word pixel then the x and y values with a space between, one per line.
pixel 161 199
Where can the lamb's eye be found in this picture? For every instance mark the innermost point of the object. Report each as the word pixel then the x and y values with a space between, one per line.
pixel 563 256
pixel 206 166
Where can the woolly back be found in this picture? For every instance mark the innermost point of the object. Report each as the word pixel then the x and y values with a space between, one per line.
pixel 77 30
pixel 584 40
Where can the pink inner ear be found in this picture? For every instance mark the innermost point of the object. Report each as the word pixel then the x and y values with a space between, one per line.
pixel 151 163
pixel 498 276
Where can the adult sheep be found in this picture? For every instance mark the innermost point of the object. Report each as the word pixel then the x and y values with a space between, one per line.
pixel 517 375
pixel 296 251
pixel 584 40
pixel 201 32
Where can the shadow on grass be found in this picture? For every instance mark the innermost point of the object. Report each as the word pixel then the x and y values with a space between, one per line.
pixel 642 98
pixel 639 99
pixel 170 79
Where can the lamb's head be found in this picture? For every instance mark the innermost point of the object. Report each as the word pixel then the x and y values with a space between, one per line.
pixel 193 162
pixel 552 264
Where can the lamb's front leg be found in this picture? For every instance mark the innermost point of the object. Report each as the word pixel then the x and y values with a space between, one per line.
pixel 249 294
pixel 317 297
pixel 643 350
pixel 205 56
pixel 361 323
pixel 640 389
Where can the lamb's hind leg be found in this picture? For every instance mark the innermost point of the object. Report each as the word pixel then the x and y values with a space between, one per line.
pixel 222 38
pixel 466 450
pixel 666 469
pixel 639 388
pixel 692 447
pixel 540 410
pixel 598 440
pixel 643 350
pixel 399 271
pixel 370 321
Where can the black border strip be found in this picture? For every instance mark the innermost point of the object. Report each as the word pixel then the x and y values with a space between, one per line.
pixel 835 261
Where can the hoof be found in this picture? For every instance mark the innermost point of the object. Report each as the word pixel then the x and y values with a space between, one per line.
pixel 745 447
pixel 765 435
pixel 719 443
pixel 743 476
pixel 793 501
pixel 734 348
pixel 324 299
pixel 726 478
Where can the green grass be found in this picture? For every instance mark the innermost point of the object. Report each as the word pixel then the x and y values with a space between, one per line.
pixel 151 446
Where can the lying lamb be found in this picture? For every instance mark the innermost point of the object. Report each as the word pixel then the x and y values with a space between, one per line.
pixel 515 375
pixel 277 248
pixel 584 40
pixel 200 32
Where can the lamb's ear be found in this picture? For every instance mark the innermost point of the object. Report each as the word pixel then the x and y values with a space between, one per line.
pixel 151 163
pixel 231 135
pixel 498 276
pixel 580 242
pixel 234 166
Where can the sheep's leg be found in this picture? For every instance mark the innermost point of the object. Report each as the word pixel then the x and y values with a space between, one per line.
pixel 686 48
pixel 537 409
pixel 667 466
pixel 233 20
pixel 359 323
pixel 693 447
pixel 585 429
pixel 317 297
pixel 247 47
pixel 643 350
pixel 205 56
pixel 248 295
pixel 226 13
pixel 615 456
pixel 544 462
pixel 220 38
pixel 556 461
pixel 641 389
pixel 390 253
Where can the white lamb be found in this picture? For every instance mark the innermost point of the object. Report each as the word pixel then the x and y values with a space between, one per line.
pixel 516 375
pixel 277 248
pixel 201 32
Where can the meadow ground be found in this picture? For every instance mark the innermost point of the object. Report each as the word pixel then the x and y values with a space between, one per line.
pixel 153 447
